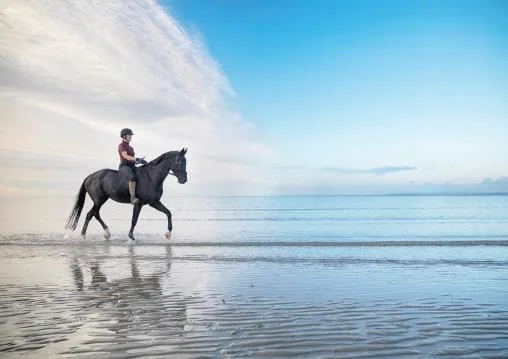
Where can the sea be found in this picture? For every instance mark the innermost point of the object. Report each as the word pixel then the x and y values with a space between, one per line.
pixel 396 276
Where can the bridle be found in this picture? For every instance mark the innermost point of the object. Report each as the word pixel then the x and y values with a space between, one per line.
pixel 177 166
pixel 166 173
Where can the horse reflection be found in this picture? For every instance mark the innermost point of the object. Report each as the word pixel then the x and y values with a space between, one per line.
pixel 135 305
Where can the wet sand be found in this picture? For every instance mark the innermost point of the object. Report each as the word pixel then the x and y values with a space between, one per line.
pixel 64 298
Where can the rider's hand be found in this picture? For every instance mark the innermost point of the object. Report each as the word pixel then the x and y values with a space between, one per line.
pixel 141 161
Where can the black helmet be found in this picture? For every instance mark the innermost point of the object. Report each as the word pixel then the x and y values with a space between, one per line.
pixel 125 131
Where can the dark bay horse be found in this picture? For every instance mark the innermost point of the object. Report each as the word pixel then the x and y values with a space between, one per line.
pixel 108 183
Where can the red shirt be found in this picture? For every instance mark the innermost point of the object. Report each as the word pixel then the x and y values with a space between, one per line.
pixel 124 146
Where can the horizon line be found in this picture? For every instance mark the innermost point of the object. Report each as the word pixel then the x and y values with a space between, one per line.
pixel 406 194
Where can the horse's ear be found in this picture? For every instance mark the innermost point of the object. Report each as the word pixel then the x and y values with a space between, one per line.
pixel 183 151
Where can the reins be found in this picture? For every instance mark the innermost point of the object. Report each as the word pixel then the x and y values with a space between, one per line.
pixel 158 170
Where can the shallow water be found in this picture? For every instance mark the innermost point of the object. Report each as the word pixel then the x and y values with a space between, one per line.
pixel 423 277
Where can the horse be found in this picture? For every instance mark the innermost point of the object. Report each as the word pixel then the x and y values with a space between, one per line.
pixel 107 183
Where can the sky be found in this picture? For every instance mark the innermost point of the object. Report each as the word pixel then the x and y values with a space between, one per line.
pixel 270 97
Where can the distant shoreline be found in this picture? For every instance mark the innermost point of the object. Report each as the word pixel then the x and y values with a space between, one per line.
pixel 451 194
pixel 408 194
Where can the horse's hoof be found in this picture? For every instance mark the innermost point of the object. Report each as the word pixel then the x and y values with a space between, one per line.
pixel 83 236
pixel 107 234
pixel 131 236
pixel 168 235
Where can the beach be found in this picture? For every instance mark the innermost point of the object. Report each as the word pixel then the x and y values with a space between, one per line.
pixel 313 179
pixel 264 278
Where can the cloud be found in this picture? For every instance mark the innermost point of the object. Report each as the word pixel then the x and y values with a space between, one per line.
pixel 501 181
pixel 391 169
pixel 321 187
pixel 375 170
pixel 72 74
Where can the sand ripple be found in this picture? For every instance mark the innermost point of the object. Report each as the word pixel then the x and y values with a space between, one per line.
pixel 129 301
pixel 126 320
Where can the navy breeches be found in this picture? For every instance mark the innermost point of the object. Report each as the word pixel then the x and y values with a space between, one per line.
pixel 128 172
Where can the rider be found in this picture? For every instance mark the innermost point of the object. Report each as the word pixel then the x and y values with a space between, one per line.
pixel 128 161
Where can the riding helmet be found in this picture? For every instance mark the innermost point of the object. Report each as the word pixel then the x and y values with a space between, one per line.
pixel 126 131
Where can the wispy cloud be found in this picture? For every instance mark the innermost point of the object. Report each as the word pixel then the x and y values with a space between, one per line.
pixel 374 170
pixel 73 73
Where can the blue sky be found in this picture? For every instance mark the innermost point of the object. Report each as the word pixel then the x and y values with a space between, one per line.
pixel 359 85
pixel 270 97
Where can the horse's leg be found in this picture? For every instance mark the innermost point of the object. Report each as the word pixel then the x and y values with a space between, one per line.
pixel 97 215
pixel 135 215
pixel 94 212
pixel 89 216
pixel 160 207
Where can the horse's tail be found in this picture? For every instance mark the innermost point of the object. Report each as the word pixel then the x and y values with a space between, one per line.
pixel 72 222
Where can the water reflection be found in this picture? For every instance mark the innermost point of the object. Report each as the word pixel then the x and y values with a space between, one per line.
pixel 131 307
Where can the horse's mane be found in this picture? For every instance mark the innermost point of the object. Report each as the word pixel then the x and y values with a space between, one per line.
pixel 162 157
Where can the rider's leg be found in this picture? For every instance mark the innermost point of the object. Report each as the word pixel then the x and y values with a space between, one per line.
pixel 129 172
pixel 132 190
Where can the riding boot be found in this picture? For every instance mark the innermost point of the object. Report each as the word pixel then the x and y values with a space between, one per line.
pixel 132 190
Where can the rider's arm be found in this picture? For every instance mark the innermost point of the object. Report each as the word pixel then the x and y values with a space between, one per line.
pixel 127 157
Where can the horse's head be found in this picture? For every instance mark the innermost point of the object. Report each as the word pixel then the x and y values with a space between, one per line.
pixel 179 166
